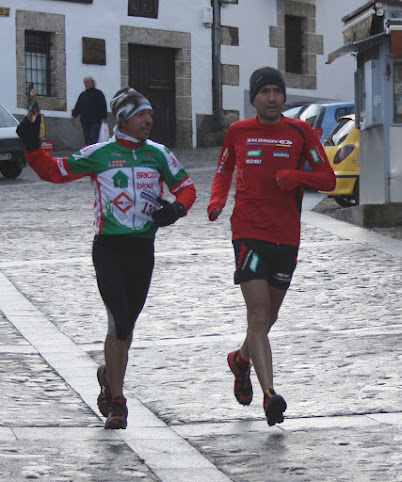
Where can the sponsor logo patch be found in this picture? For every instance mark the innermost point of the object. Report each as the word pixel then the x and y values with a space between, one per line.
pixel 254 262
pixel 315 156
pixel 60 163
pixel 146 174
pixel 117 163
pixel 145 185
pixel 174 164
pixel 253 161
pixel 120 180
pixel 255 153
pixel 147 164
pixel 221 165
pixel 281 154
pixel 282 276
pixel 263 141
pixel 123 202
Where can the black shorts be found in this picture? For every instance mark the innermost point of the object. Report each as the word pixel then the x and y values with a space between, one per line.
pixel 123 266
pixel 256 259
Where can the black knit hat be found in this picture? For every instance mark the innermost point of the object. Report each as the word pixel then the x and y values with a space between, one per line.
pixel 265 76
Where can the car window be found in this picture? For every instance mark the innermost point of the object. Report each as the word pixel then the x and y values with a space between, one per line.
pixel 311 113
pixel 293 111
pixel 6 119
pixel 341 111
pixel 341 131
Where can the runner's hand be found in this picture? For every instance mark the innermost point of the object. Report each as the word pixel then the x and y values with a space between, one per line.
pixel 288 179
pixel 29 133
pixel 169 213
pixel 214 214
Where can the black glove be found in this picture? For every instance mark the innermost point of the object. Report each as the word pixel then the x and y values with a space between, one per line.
pixel 169 213
pixel 29 133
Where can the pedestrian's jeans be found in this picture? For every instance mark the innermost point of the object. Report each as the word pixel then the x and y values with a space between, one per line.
pixel 91 132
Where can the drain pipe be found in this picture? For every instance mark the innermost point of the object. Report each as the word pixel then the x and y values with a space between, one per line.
pixel 216 64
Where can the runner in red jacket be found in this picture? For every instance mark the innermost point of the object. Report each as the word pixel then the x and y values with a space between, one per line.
pixel 268 152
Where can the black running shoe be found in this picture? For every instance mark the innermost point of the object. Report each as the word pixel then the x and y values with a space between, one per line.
pixel 274 406
pixel 243 389
pixel 105 397
pixel 117 417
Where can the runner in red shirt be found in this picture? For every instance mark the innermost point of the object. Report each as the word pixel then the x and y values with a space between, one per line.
pixel 268 152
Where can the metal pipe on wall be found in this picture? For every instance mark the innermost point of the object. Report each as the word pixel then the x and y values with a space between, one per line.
pixel 216 64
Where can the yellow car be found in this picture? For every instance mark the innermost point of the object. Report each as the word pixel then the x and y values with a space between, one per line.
pixel 342 149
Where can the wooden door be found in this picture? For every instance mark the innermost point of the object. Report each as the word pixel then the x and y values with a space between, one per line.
pixel 152 72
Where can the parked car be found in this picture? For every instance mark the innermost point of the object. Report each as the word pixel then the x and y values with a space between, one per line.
pixel 294 111
pixel 12 149
pixel 342 149
pixel 324 117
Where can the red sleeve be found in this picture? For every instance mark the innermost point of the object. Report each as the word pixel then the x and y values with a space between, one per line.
pixel 322 176
pixel 49 168
pixel 223 175
pixel 186 193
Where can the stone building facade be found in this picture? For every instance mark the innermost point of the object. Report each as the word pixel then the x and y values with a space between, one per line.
pixel 111 44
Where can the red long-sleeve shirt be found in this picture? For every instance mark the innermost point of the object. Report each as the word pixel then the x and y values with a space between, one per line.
pixel 269 161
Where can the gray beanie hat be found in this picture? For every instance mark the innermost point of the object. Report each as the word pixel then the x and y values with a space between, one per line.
pixel 126 103
pixel 265 76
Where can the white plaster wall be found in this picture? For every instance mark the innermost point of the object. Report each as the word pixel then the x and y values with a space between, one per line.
pixel 395 165
pixel 253 50
pixel 8 82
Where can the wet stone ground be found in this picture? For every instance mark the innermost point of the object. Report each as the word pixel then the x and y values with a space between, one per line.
pixel 72 457
pixel 337 346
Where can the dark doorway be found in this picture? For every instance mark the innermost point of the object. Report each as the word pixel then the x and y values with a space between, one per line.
pixel 152 72
pixel 294 44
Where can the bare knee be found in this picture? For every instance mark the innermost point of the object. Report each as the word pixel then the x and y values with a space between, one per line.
pixel 272 319
pixel 258 322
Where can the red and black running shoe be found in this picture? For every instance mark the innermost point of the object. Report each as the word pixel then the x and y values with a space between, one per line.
pixel 243 389
pixel 274 406
pixel 117 417
pixel 105 397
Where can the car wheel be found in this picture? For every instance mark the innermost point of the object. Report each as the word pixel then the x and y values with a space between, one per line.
pixel 10 171
pixel 349 201
pixel 345 202
pixel 356 192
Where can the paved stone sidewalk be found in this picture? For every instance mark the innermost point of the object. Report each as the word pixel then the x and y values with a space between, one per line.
pixel 337 351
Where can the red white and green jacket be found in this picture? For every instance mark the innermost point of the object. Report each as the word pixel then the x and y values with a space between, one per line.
pixel 126 175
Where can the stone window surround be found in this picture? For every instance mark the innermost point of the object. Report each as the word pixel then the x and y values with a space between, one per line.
pixel 313 44
pixel 55 25
pixel 181 42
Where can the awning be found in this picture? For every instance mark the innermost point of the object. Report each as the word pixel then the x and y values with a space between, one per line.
pixel 359 46
pixel 359 28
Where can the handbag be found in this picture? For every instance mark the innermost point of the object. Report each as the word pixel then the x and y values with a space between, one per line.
pixel 104 132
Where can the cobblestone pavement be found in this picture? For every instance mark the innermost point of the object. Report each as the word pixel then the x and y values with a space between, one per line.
pixel 337 350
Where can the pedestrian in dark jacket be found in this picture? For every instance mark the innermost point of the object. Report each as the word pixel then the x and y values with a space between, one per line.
pixel 91 107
